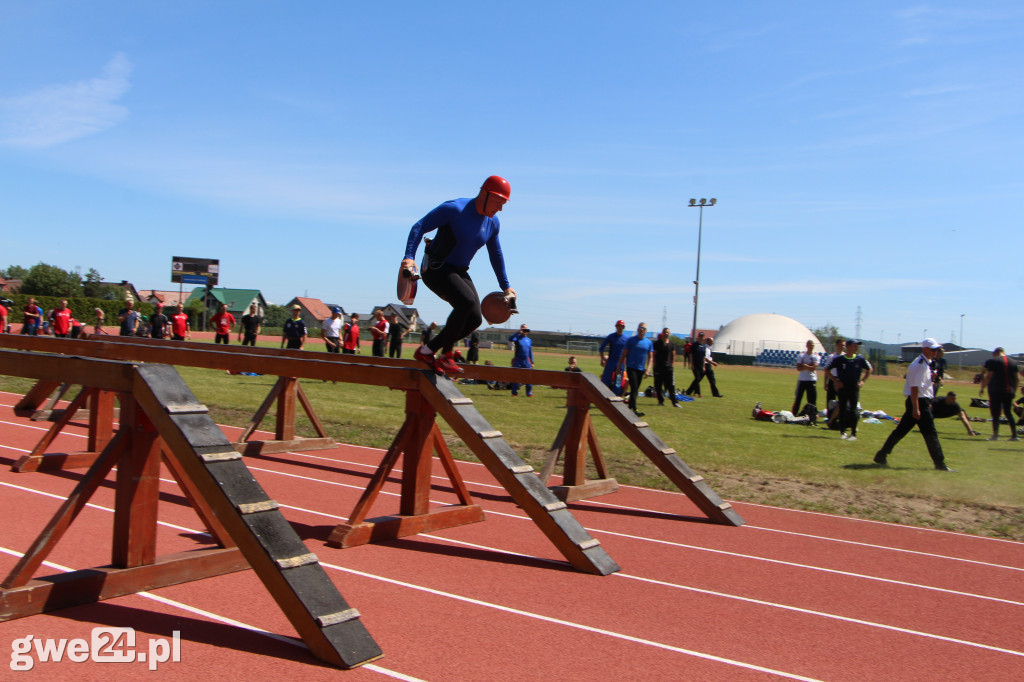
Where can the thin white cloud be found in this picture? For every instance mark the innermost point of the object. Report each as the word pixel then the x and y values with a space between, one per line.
pixel 59 113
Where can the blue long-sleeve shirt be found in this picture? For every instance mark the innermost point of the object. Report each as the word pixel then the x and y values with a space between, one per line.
pixel 524 350
pixel 462 231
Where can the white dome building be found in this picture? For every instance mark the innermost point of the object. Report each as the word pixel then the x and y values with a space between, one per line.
pixel 752 335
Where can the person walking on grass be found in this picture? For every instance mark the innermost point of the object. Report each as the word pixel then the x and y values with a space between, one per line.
pixel 697 363
pixel 709 367
pixel 1001 379
pixel 918 391
pixel 614 342
pixel 664 370
pixel 636 359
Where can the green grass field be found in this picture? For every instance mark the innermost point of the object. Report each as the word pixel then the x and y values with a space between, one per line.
pixel 743 459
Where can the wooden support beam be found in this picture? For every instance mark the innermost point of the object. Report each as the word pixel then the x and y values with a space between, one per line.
pixel 664 457
pixel 137 490
pixel 575 439
pixel 292 575
pixel 101 419
pixel 549 513
pixel 107 582
pixel 69 509
pixel 416 443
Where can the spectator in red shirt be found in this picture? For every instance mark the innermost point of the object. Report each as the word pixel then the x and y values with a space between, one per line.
pixel 380 333
pixel 60 319
pixel 350 342
pixel 222 322
pixel 179 325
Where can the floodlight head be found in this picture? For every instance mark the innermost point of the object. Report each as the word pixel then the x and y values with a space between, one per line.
pixel 693 202
pixel 703 201
pixel 713 202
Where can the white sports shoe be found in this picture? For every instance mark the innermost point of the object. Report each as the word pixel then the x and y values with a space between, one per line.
pixel 852 438
pixel 843 436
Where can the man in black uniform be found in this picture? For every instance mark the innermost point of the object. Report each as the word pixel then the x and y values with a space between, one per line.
pixel 1001 378
pixel 294 330
pixel 250 328
pixel 849 372
pixel 396 332
pixel 664 373
pixel 696 364
pixel 158 323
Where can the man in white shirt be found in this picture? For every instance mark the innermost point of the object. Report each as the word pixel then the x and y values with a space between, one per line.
pixel 918 389
pixel 331 330
pixel 807 382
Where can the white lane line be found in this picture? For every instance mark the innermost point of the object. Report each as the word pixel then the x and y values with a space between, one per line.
pixel 569 624
pixel 760 602
pixel 222 619
pixel 886 547
pixel 41 428
pixel 823 538
pixel 523 517
pixel 809 567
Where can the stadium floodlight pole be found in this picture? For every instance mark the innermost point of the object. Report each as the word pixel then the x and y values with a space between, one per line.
pixel 700 234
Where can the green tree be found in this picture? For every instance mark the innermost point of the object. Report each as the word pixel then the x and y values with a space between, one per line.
pixel 275 315
pixel 14 272
pixel 92 286
pixel 49 280
pixel 827 334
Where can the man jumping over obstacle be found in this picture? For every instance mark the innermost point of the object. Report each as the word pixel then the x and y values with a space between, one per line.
pixel 463 227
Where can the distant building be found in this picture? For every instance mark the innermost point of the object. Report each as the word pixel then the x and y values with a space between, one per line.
pixel 312 311
pixel 237 301
pixel 410 317
pixel 128 289
pixel 169 299
pixel 10 286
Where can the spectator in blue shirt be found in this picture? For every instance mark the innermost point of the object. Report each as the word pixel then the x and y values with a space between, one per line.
pixel 523 357
pixel 636 357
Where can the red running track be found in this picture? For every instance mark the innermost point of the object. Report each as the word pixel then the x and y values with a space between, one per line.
pixel 792 594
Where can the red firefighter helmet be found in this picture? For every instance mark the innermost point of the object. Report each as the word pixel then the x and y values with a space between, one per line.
pixel 497 185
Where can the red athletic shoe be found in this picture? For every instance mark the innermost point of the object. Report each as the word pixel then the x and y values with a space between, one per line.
pixel 446 363
pixel 429 359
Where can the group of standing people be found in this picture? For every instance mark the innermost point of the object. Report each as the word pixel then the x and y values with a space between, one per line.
pixel 62 323
pixel 846 371
pixel 628 360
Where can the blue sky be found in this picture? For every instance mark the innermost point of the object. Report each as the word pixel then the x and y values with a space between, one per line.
pixel 864 155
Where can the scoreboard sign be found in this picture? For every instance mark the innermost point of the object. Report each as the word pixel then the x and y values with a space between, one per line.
pixel 194 270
